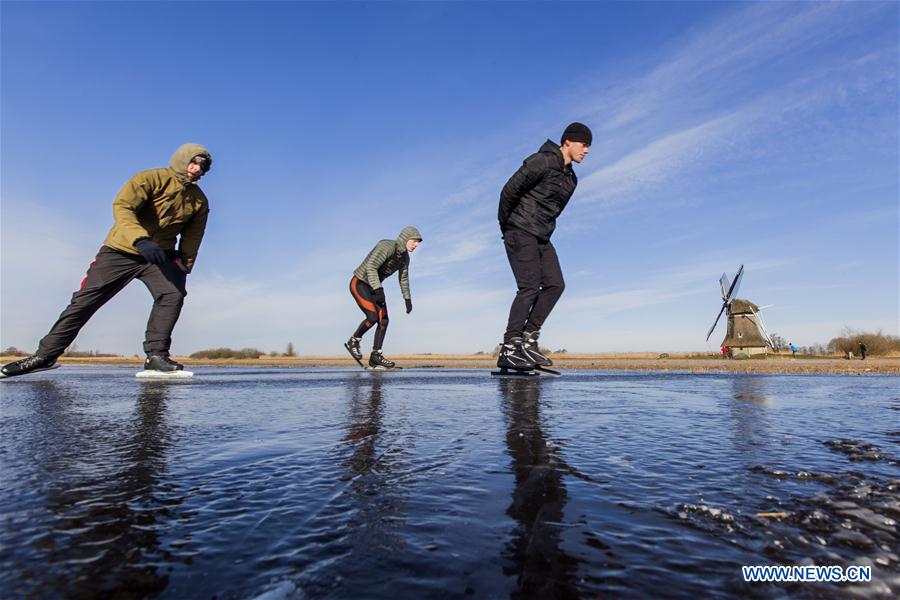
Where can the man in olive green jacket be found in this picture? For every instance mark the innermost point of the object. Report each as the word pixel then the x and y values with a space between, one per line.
pixel 386 258
pixel 151 211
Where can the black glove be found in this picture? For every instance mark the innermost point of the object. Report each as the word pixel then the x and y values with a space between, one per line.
pixel 379 297
pixel 180 265
pixel 408 306
pixel 176 259
pixel 151 251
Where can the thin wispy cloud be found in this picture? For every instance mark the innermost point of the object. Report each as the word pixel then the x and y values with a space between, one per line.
pixel 761 133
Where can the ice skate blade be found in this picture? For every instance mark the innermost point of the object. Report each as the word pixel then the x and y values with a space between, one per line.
pixel 504 372
pixel 164 374
pixel 358 360
pixel 384 369
pixel 547 371
pixel 50 368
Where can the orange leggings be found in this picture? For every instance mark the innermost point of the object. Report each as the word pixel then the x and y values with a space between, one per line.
pixel 365 298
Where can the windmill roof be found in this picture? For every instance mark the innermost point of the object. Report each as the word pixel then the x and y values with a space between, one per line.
pixel 739 306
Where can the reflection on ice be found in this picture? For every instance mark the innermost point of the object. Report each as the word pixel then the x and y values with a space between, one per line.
pixel 541 567
pixel 340 483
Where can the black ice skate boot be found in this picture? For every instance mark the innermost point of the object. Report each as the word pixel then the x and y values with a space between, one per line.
pixel 513 356
pixel 29 364
pixel 378 361
pixel 532 351
pixel 162 363
pixel 352 346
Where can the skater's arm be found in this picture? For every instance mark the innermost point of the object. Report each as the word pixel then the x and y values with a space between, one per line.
pixel 403 276
pixel 191 236
pixel 377 257
pixel 128 202
pixel 528 175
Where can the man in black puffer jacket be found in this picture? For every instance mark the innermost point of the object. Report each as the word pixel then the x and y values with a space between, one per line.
pixel 530 202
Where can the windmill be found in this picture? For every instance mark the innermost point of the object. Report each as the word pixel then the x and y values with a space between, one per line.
pixel 746 332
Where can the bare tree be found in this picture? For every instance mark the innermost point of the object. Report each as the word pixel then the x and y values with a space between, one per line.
pixel 778 342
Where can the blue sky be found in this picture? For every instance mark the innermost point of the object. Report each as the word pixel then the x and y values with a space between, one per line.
pixel 724 133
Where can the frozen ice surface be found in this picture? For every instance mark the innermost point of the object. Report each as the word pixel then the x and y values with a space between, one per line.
pixel 340 483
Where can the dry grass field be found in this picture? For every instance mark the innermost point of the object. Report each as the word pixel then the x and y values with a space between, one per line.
pixel 646 361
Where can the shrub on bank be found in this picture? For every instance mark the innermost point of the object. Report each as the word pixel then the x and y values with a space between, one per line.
pixel 877 343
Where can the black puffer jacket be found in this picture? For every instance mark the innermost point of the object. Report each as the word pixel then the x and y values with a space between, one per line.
pixel 537 193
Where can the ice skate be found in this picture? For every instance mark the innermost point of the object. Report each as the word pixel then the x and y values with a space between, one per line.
pixel 29 364
pixel 352 346
pixel 378 362
pixel 513 358
pixel 532 350
pixel 161 366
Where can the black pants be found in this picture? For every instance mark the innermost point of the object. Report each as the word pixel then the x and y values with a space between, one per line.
pixel 538 277
pixel 110 272
pixel 365 299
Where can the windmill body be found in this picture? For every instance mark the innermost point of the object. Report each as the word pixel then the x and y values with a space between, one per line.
pixel 743 335
pixel 746 334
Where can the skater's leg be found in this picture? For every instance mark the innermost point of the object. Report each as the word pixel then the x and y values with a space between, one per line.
pixel 525 260
pixel 364 326
pixel 108 274
pixel 552 286
pixel 365 299
pixel 167 286
pixel 382 327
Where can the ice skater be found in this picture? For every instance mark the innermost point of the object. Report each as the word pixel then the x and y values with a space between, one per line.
pixel 152 210
pixel 385 259
pixel 530 203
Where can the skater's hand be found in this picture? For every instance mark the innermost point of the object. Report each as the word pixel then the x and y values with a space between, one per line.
pixel 181 266
pixel 379 297
pixel 408 306
pixel 151 251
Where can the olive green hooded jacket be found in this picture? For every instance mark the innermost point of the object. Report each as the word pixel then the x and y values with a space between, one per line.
pixel 162 204
pixel 386 258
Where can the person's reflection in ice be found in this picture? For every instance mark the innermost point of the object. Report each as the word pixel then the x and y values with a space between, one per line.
pixel 363 426
pixel 107 509
pixel 375 506
pixel 542 568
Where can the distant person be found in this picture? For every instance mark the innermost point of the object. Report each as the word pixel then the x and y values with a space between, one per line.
pixel 530 203
pixel 153 209
pixel 725 352
pixel 863 350
pixel 793 349
pixel 385 259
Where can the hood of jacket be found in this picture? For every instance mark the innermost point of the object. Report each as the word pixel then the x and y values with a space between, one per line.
pixel 551 147
pixel 182 158
pixel 407 233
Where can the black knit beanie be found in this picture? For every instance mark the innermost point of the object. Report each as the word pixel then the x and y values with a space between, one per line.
pixel 577 132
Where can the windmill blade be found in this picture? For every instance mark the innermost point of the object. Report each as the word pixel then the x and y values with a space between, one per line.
pixel 762 308
pixel 736 284
pixel 762 327
pixel 711 329
pixel 724 284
